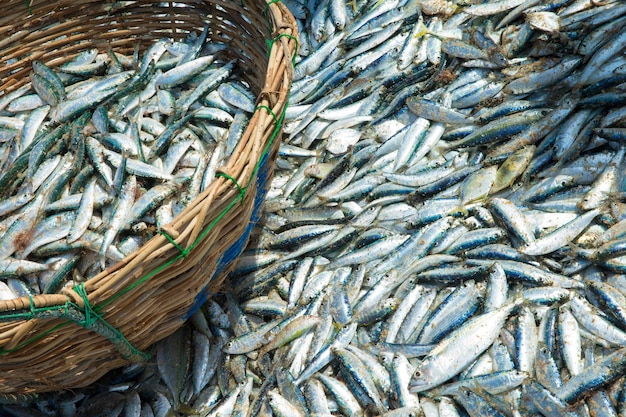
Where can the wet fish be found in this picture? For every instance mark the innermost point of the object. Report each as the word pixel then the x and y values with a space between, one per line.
pixel 451 151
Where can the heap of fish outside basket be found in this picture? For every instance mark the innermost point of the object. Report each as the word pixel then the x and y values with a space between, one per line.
pixel 100 153
pixel 504 296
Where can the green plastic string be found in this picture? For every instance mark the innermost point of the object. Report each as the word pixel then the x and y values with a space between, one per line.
pixel 182 250
pixel 92 318
pixel 269 111
pixel 296 49
pixel 91 314
pixel 266 14
pixel 270 44
pixel 267 6
pixel 31 302
pixel 28 4
pixel 242 191
pixel 85 317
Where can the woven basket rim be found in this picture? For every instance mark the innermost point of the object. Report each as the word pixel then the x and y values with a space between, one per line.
pixel 259 142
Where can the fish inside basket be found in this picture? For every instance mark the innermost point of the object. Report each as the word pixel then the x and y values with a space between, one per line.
pixel 137 142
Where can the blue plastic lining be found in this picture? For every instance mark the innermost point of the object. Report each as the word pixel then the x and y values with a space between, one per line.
pixel 262 185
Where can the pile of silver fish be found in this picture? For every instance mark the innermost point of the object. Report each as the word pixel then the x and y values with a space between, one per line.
pixel 99 153
pixel 445 234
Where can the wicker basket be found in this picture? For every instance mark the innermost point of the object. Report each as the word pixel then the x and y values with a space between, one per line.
pixel 58 341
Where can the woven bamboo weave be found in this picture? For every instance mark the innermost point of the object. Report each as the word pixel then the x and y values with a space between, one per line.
pixel 57 341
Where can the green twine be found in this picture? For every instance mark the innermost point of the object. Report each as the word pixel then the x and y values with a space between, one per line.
pixel 85 317
pixel 88 316
pixel 31 302
pixel 242 191
pixel 270 44
pixel 267 6
pixel 95 321
pixel 266 14
pixel 27 4
pixel 268 110
pixel 182 250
